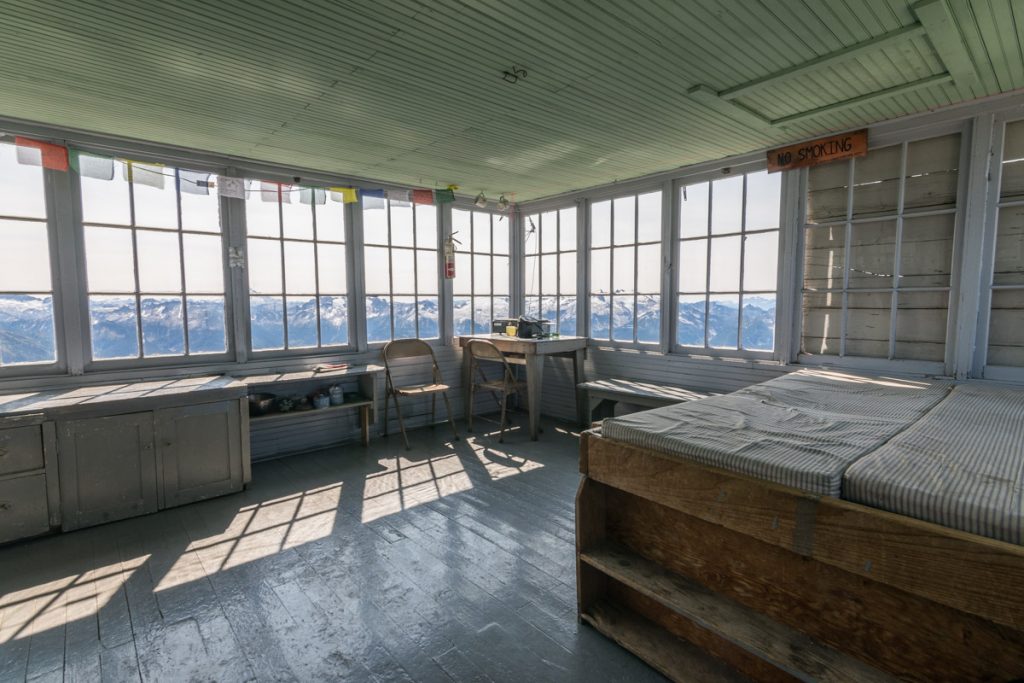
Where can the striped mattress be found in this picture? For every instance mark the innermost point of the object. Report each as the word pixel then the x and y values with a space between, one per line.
pixel 802 430
pixel 962 465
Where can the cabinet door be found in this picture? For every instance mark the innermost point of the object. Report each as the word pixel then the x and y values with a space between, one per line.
pixel 107 469
pixel 200 449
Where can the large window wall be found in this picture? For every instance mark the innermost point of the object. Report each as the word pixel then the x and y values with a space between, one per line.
pixel 550 268
pixel 482 285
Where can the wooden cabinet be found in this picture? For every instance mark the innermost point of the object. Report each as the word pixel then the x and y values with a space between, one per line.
pixel 29 501
pixel 199 451
pixel 107 469
pixel 23 507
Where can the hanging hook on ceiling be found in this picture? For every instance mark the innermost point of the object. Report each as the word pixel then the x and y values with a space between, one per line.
pixel 514 75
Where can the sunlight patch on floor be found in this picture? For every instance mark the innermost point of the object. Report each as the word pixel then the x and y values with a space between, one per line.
pixel 406 483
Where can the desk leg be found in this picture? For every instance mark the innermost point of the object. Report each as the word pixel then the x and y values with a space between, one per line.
pixel 364 423
pixel 583 411
pixel 534 384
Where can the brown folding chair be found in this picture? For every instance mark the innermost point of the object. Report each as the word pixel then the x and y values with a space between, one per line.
pixel 413 348
pixel 484 352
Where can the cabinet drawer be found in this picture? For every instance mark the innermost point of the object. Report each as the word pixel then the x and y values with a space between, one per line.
pixel 21 449
pixel 23 510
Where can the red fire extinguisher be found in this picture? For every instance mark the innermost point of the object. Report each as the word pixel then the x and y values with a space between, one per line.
pixel 449 256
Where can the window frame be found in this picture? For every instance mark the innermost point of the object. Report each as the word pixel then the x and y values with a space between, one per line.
pixel 91 364
pixel 58 286
pixel 676 240
pixel 364 292
pixel 467 248
pixel 902 138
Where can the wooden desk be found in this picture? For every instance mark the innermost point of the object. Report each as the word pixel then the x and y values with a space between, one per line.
pixel 532 353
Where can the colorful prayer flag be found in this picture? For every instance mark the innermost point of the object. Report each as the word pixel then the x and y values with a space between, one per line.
pixel 444 196
pixel 139 173
pixel 270 192
pixel 51 156
pixel 372 193
pixel 194 182
pixel 346 195
pixel 422 196
pixel 231 187
pixel 92 166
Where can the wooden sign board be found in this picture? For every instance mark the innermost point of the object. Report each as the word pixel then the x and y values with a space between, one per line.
pixel 820 151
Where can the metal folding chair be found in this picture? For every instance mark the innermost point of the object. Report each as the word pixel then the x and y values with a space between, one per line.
pixel 413 348
pixel 484 352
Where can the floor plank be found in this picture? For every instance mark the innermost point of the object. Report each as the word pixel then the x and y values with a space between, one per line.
pixel 450 562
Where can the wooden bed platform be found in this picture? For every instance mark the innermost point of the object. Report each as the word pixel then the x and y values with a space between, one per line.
pixel 785 585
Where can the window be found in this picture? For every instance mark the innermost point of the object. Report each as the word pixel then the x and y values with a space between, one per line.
pixel 154 261
pixel 625 269
pixel 297 269
pixel 1006 320
pixel 550 239
pixel 728 262
pixel 26 288
pixel 482 280
pixel 879 250
pixel 401 270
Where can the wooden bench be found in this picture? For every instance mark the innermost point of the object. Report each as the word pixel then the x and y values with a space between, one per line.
pixel 639 393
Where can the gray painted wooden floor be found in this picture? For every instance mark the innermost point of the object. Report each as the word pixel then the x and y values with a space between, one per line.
pixel 435 564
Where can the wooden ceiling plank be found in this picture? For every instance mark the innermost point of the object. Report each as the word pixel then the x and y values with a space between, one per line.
pixel 942 30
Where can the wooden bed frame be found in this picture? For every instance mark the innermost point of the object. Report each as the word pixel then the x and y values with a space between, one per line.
pixel 675 557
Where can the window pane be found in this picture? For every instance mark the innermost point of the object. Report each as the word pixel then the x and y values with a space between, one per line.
pixel 481 232
pixel 109 262
pixel 759 322
pixel 26 329
pixel 931 181
pixel 623 272
pixel 601 224
pixel 461 222
pixel 331 268
pixel 622 318
pixel 567 229
pixel 532 274
pixel 1012 185
pixel 200 206
pixel 299 268
pixel 106 201
pixel 876 180
pixel 266 314
pixel 426 271
pixel 549 231
pixel 693 266
pixel 264 267
pixel 24 256
pixel 1009 265
pixel 113 327
pixel 378 318
pixel 648 318
pixel 921 325
pixel 462 314
pixel 726 205
pixel 872 255
pixel 600 271
pixel 262 218
pixel 599 317
pixel 403 274
pixel 926 254
pixel 824 250
pixel 827 189
pixel 501 275
pixel 549 308
pixel 426 227
pixel 760 264
pixel 549 274
pixel 156 197
pixel 207 332
pixel 649 217
pixel 764 195
pixel 723 321
pixel 725 264
pixel 375 226
pixel 822 323
pixel 532 307
pixel 482 314
pixel 159 262
pixel 481 274
pixel 463 283
pixel 648 277
pixel 693 211
pixel 500 239
pixel 690 320
pixel 1005 341
pixel 330 220
pixel 867 326
pixel 301 321
pixel 402 234
pixel 298 214
pixel 378 270
pixel 625 220
pixel 21 187
pixel 405 317
pixel 163 328
pixel 501 307
pixel 531 230
pixel 333 320
pixel 567 273
pixel 567 315
pixel 427 313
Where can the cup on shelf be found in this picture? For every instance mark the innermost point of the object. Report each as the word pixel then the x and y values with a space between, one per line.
pixel 337 395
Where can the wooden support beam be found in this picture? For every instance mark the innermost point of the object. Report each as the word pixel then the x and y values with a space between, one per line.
pixel 945 37
pixel 938 79
pixel 847 53
pixel 710 97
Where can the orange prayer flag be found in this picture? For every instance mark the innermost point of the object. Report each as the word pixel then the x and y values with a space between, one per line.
pixel 55 157
pixel 422 196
